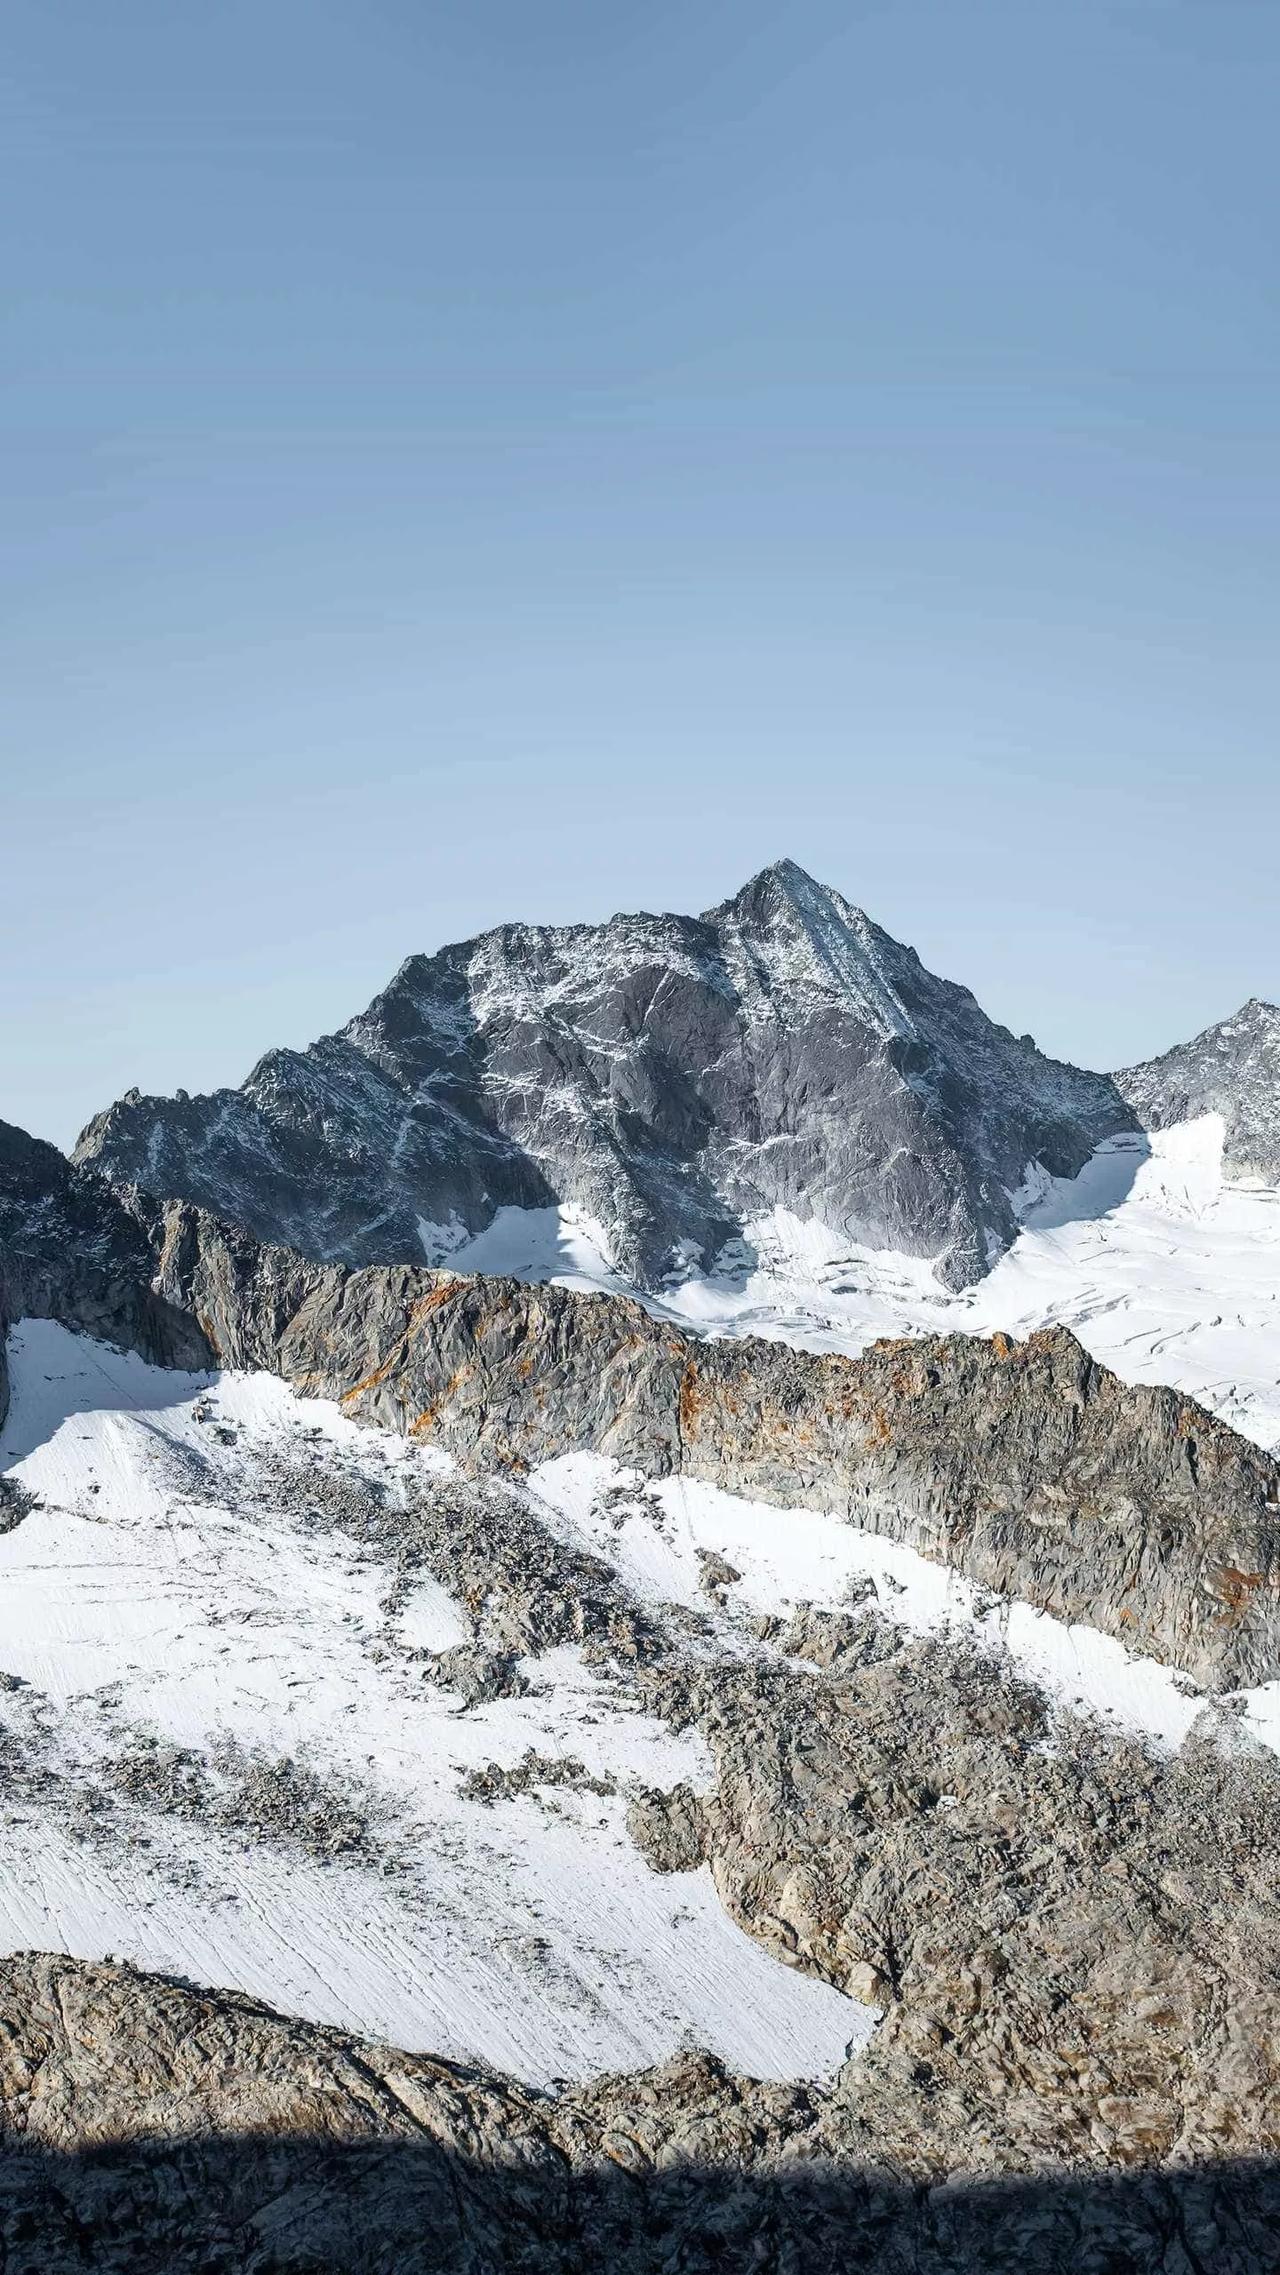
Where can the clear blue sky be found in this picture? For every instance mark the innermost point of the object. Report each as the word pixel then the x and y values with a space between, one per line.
pixel 535 457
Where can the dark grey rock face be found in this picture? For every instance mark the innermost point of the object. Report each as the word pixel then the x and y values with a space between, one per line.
pixel 1233 1070
pixel 670 1076
pixel 51 1211
pixel 71 1249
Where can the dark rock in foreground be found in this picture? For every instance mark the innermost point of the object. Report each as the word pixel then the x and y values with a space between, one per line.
pixel 153 2130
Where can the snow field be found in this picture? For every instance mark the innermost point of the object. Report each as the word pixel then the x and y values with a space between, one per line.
pixel 530 1935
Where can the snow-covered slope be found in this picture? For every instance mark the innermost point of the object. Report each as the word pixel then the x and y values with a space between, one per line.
pixel 671 1077
pixel 1166 1270
pixel 793 1558
pixel 221 1758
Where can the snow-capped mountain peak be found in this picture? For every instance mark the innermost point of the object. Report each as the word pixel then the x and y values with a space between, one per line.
pixel 785 932
pixel 670 1078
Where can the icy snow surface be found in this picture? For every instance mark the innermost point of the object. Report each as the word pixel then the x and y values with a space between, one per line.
pixel 531 1934
pixel 1165 1271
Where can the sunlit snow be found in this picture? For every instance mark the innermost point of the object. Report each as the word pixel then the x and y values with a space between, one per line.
pixel 789 1557
pixel 1166 1271
pixel 531 1935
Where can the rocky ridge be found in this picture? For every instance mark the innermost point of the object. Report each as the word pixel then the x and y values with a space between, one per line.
pixel 1024 1465
pixel 1232 1069
pixel 162 2131
pixel 670 1077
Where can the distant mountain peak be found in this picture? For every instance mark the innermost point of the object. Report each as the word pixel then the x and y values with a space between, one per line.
pixel 784 879
pixel 672 1078
pixel 805 935
pixel 1231 1069
pixel 781 884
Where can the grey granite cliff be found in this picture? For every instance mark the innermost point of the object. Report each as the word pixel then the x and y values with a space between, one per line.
pixel 671 1077
pixel 1232 1069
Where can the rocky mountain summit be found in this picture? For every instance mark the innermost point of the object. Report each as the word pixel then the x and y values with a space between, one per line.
pixel 1232 1069
pixel 671 1078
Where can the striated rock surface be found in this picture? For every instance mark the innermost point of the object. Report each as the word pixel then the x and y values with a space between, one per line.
pixel 71 1249
pixel 1071 1936
pixel 1233 1070
pixel 671 1077
pixel 1025 1465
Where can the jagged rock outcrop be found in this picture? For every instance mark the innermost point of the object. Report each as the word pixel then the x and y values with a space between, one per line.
pixel 177 2130
pixel 1232 1069
pixel 672 1077
pixel 70 1249
pixel 1026 1465
pixel 1071 1935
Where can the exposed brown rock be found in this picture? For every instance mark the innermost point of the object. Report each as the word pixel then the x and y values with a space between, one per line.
pixel 1025 1465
